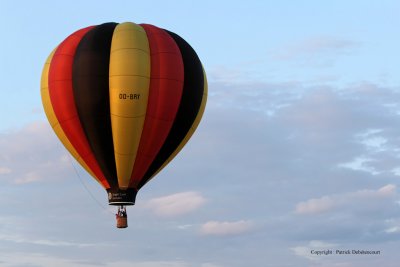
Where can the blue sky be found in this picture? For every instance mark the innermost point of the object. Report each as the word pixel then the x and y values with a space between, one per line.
pixel 298 149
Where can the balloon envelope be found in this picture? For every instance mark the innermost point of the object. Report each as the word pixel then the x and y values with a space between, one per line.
pixel 123 99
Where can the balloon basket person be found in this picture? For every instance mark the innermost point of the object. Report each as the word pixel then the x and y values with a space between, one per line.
pixel 122 217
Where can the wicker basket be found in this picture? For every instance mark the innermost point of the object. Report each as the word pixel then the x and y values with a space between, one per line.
pixel 122 222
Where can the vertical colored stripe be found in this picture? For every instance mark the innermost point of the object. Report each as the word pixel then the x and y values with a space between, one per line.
pixel 189 107
pixel 192 128
pixel 51 116
pixel 166 85
pixel 129 79
pixel 44 91
pixel 62 100
pixel 91 95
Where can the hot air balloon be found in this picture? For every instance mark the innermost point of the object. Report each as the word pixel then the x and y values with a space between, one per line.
pixel 123 99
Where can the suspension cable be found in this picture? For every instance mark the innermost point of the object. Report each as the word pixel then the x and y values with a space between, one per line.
pixel 84 185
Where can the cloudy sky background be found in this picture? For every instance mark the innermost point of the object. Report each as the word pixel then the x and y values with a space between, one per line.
pixel 299 147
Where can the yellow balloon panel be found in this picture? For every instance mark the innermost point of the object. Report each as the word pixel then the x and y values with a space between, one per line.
pixel 129 90
pixel 128 96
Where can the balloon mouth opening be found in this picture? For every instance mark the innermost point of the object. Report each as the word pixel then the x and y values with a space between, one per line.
pixel 119 197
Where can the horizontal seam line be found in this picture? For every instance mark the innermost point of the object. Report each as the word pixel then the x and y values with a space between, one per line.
pixel 62 54
pixel 60 121
pixel 59 80
pixel 117 75
pixel 133 48
pixel 159 119
pixel 135 117
pixel 165 52
pixel 169 79
pixel 124 154
pixel 130 29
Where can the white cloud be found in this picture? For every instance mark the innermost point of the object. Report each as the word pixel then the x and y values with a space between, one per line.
pixel 46 242
pixel 32 154
pixel 46 260
pixel 327 203
pixel 176 204
pixel 29 177
pixel 394 229
pixel 393 226
pixel 315 205
pixel 360 164
pixel 5 170
pixel 301 144
pixel 185 226
pixel 226 228
pixel 210 265
pixel 385 191
pixel 313 245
